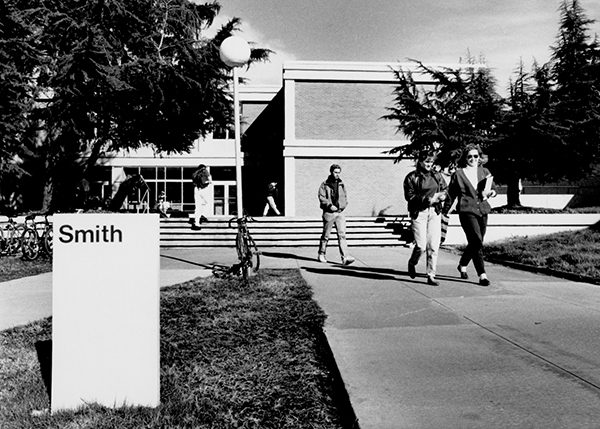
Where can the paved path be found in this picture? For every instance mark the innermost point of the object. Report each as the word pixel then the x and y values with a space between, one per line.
pixel 522 353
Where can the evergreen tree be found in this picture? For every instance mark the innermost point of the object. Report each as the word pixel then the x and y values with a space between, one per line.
pixel 18 60
pixel 460 108
pixel 121 74
pixel 574 116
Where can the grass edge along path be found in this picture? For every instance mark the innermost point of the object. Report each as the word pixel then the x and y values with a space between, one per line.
pixel 574 255
pixel 231 356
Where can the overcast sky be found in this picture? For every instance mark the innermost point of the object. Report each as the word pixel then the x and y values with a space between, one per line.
pixel 440 31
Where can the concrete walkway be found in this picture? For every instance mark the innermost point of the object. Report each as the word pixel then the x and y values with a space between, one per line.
pixel 521 353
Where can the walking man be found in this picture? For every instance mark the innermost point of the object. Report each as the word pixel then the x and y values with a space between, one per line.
pixel 333 200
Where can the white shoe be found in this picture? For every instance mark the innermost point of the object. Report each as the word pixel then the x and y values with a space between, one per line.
pixel 322 258
pixel 348 260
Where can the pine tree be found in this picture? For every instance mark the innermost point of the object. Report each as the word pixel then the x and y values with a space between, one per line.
pixel 574 117
pixel 460 108
pixel 121 74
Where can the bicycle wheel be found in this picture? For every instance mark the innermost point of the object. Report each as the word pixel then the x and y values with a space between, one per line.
pixel 4 242
pixel 15 238
pixel 255 255
pixel 47 240
pixel 241 246
pixel 30 244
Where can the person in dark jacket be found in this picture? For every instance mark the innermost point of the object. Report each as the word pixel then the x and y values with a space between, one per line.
pixel 472 185
pixel 425 191
pixel 333 200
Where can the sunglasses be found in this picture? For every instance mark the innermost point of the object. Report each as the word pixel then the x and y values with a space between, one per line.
pixel 472 156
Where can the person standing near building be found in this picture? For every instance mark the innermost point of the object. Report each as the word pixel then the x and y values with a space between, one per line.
pixel 271 195
pixel 203 195
pixel 472 185
pixel 333 200
pixel 425 191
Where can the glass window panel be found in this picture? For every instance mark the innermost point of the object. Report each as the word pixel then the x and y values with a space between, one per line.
pixel 188 193
pixel 173 173
pixel 187 173
pixel 130 171
pixel 160 173
pixel 222 173
pixel 232 199
pixel 174 192
pixel 148 173
pixel 219 201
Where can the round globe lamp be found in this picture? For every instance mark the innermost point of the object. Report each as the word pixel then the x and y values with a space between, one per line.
pixel 234 51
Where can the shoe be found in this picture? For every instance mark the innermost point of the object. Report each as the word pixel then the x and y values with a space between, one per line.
pixel 196 227
pixel 203 219
pixel 322 258
pixel 463 274
pixel 412 272
pixel 432 282
pixel 484 282
pixel 348 260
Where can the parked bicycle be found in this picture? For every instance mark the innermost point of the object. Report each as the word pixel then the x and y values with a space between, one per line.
pixel 246 249
pixel 10 237
pixel 32 242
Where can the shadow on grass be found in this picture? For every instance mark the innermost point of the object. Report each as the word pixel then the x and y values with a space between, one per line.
pixel 197 264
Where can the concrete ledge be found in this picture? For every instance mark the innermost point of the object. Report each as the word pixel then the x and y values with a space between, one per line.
pixel 504 226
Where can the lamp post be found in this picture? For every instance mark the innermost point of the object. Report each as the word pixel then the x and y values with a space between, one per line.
pixel 235 52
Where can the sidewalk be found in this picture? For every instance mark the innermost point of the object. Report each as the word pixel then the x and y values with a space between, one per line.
pixel 523 352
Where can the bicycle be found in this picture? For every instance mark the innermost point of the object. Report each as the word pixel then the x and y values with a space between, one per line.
pixel 246 249
pixel 11 233
pixel 32 241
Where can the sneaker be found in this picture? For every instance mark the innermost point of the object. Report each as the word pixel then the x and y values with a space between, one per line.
pixel 484 282
pixel 196 227
pixel 348 260
pixel 412 272
pixel 432 282
pixel 203 219
pixel 322 258
pixel 463 274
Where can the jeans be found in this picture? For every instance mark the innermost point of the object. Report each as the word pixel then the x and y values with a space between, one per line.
pixel 427 230
pixel 338 219
pixel 474 228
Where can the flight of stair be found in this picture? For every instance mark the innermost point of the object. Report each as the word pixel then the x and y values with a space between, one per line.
pixel 284 232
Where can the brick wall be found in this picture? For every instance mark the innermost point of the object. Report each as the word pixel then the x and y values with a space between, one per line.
pixel 374 185
pixel 343 110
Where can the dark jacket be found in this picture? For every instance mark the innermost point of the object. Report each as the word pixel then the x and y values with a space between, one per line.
pixel 419 187
pixel 470 200
pixel 326 194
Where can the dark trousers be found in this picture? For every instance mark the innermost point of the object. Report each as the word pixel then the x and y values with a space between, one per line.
pixel 474 228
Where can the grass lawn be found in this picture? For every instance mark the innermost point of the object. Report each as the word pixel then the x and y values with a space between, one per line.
pixel 14 267
pixel 232 356
pixel 572 252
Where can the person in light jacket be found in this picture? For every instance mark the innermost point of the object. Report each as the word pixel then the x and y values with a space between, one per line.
pixel 333 200
pixel 472 185
pixel 425 192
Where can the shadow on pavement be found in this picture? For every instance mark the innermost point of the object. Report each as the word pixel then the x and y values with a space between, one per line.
pixel 283 255
pixel 382 274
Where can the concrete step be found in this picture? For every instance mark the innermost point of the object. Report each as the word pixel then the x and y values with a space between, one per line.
pixel 281 231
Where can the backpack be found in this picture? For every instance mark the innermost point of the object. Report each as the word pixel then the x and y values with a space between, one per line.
pixel 200 178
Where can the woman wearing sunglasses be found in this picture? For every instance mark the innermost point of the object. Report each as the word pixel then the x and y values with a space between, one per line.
pixel 473 186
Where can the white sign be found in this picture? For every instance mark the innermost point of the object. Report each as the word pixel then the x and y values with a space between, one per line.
pixel 105 310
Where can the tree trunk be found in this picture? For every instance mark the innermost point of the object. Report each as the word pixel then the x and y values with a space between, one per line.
pixel 513 192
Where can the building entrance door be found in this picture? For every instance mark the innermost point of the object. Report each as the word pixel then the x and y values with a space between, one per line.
pixel 225 198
